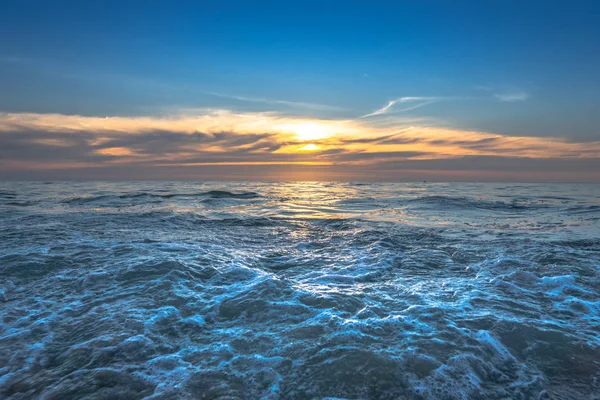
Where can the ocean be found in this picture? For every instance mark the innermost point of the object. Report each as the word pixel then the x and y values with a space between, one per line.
pixel 303 290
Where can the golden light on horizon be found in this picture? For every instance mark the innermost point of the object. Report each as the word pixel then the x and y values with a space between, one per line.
pixel 310 147
pixel 268 139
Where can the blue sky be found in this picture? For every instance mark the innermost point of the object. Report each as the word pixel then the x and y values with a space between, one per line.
pixel 514 68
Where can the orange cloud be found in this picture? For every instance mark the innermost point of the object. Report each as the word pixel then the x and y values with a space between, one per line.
pixel 115 151
pixel 224 137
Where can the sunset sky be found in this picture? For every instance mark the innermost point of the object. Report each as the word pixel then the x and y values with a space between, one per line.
pixel 312 90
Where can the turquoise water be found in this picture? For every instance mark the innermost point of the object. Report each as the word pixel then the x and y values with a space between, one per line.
pixel 299 291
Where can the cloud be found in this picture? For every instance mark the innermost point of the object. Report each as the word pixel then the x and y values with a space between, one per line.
pixel 201 94
pixel 296 104
pixel 388 108
pixel 508 95
pixel 518 95
pixel 40 142
pixel 504 93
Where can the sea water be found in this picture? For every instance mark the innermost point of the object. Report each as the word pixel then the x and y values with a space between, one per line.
pixel 170 290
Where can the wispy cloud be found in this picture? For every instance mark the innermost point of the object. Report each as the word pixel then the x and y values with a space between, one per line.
pixel 389 107
pixel 70 143
pixel 224 135
pixel 505 93
pixel 517 95
pixel 296 104
pixel 158 85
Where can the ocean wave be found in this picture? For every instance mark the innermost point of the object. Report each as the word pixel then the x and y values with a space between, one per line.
pixel 468 203
pixel 20 203
pixel 144 196
pixel 6 194
pixel 316 291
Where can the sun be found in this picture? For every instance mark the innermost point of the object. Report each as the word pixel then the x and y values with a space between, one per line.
pixel 309 147
pixel 306 131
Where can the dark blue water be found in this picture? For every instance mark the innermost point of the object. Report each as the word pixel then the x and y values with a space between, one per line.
pixel 299 291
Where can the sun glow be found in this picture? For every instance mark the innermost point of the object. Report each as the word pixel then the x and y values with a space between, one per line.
pixel 306 131
pixel 309 147
pixel 225 136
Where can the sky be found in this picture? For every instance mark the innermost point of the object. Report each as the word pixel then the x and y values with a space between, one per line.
pixel 444 90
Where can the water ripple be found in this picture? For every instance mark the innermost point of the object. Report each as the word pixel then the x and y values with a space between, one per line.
pixel 299 290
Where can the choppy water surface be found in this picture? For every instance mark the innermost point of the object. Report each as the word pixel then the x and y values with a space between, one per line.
pixel 299 291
